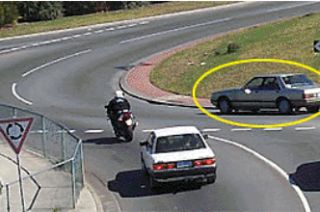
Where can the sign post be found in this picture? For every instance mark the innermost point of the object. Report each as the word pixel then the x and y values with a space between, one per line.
pixel 15 132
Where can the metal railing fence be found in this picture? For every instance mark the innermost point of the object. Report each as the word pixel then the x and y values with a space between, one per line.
pixel 56 143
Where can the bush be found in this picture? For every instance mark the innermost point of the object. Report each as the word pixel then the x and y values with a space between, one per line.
pixel 8 13
pixel 79 8
pixel 232 47
pixel 40 11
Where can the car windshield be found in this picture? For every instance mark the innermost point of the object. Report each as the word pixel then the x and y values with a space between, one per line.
pixel 297 81
pixel 179 143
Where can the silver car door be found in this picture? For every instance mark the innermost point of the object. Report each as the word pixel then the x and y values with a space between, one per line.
pixel 248 96
pixel 268 93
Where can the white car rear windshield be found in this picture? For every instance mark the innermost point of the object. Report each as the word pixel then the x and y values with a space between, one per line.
pixel 297 81
pixel 179 143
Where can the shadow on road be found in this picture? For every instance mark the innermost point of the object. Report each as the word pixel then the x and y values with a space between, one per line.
pixel 104 141
pixel 134 183
pixel 260 113
pixel 307 176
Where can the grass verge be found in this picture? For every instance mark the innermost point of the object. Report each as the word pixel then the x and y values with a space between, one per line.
pixel 98 18
pixel 287 39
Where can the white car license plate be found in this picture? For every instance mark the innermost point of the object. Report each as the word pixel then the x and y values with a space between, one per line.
pixel 184 164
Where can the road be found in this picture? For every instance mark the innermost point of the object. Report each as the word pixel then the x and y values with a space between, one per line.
pixel 69 76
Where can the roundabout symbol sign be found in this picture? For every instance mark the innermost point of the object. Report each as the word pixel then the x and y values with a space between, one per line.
pixel 15 131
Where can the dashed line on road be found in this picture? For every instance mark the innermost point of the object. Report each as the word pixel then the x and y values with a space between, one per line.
pixel 305 128
pixel 92 131
pixel 270 163
pixel 211 130
pixel 273 129
pixel 240 129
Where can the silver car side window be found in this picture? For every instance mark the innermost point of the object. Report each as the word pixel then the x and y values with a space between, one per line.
pixel 255 83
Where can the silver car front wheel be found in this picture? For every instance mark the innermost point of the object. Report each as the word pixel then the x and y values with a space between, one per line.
pixel 224 105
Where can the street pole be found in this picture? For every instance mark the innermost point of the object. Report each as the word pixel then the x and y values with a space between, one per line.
pixel 20 183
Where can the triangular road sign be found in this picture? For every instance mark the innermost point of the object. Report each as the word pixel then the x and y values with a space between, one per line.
pixel 15 131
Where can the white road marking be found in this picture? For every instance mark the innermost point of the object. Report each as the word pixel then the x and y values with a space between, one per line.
pixel 273 129
pixel 211 130
pixel 109 29
pixel 270 163
pixel 94 131
pixel 148 130
pixel 56 61
pixel 66 38
pixel 14 91
pixel 132 25
pixel 88 33
pixel 304 128
pixel 241 129
pixel 77 36
pixel 98 31
pixel 174 30
pixel 144 22
pixel 122 27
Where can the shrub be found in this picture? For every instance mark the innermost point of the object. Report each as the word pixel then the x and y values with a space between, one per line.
pixel 232 47
pixel 40 11
pixel 8 13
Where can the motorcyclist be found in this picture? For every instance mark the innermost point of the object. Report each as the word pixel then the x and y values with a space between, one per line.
pixel 116 106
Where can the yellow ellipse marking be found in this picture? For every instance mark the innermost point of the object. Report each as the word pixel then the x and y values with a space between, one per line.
pixel 255 60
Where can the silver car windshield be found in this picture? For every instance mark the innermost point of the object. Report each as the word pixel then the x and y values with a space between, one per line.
pixel 297 81
pixel 179 143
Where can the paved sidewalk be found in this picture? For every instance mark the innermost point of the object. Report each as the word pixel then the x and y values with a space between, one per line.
pixel 55 193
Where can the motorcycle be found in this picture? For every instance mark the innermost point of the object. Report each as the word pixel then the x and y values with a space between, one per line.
pixel 125 125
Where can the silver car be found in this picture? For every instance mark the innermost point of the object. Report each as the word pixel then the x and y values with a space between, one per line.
pixel 283 91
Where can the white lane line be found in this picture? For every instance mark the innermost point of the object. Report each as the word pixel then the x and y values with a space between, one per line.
pixel 144 22
pixel 122 27
pixel 304 128
pixel 147 130
pixel 211 130
pixel 56 61
pixel 270 163
pixel 132 25
pixel 94 131
pixel 88 33
pixel 98 31
pixel 273 129
pixel 14 91
pixel 77 36
pixel 66 38
pixel 175 30
pixel 241 129
pixel 109 29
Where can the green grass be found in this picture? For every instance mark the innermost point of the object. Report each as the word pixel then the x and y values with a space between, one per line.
pixel 287 39
pixel 98 18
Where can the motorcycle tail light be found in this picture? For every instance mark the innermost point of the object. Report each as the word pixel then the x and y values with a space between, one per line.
pixel 126 115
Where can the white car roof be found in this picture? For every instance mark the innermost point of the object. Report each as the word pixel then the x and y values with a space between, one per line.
pixel 179 130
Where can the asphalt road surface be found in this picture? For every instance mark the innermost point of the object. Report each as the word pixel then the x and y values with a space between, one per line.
pixel 69 76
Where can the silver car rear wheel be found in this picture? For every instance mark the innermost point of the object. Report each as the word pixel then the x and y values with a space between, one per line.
pixel 224 105
pixel 284 106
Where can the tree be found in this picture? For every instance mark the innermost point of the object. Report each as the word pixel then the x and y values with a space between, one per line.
pixel 8 13
pixel 40 10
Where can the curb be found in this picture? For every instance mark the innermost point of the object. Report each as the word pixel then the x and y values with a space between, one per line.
pixel 96 198
pixel 126 88
pixel 125 21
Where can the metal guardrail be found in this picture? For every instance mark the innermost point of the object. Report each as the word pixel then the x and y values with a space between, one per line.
pixel 54 142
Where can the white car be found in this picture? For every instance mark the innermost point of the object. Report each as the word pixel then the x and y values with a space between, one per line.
pixel 177 154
